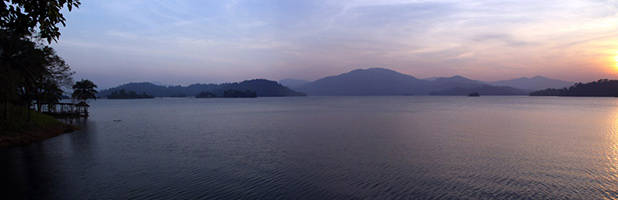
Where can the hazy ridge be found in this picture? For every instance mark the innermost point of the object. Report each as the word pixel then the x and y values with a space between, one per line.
pixel 262 87
pixel 381 81
pixel 359 82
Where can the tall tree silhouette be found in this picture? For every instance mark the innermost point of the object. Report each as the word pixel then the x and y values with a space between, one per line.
pixel 29 69
pixel 84 90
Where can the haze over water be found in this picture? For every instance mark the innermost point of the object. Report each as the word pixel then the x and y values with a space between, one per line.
pixel 328 147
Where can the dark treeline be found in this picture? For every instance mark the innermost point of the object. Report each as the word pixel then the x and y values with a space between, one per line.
pixel 481 90
pixel 122 94
pixel 206 95
pixel 31 72
pixel 239 94
pixel 600 88
pixel 229 94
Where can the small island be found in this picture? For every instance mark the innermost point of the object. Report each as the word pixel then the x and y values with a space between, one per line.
pixel 474 94
pixel 122 94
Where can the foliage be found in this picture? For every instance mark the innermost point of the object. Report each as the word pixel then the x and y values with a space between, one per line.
pixel 50 93
pixel 56 75
pixel 30 72
pixel 26 17
pixel 84 90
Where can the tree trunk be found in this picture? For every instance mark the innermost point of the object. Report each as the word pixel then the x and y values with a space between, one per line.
pixel 6 94
pixel 6 110
pixel 28 104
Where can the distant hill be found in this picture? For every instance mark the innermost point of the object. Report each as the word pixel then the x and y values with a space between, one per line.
pixel 293 83
pixel 262 88
pixel 366 82
pixel 534 83
pixel 142 87
pixel 442 83
pixel 380 81
pixel 600 88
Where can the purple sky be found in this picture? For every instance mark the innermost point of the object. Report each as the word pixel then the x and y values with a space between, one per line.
pixel 189 41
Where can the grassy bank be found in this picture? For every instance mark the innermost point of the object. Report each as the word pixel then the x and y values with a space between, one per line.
pixel 18 130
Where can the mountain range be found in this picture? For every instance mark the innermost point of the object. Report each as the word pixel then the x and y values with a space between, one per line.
pixel 293 83
pixel 381 81
pixel 366 82
pixel 360 82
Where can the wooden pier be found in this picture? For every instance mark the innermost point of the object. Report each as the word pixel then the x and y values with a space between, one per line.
pixel 65 110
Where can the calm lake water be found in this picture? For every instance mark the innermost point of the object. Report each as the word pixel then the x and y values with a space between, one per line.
pixel 327 148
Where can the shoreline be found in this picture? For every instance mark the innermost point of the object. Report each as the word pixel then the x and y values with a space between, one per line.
pixel 13 139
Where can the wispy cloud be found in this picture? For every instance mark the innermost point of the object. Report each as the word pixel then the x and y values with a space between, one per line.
pixel 232 40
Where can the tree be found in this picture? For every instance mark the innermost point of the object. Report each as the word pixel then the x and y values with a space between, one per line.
pixel 26 17
pixel 50 94
pixel 16 59
pixel 26 66
pixel 57 69
pixel 84 90
pixel 56 74
pixel 31 73
pixel 30 69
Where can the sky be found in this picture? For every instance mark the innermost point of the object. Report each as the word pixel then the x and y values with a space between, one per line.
pixel 174 42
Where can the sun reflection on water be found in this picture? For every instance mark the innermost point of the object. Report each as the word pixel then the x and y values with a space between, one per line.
pixel 612 153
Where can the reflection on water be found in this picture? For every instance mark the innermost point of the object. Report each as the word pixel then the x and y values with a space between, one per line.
pixel 612 158
pixel 328 147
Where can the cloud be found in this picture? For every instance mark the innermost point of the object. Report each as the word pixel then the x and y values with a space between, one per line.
pixel 503 38
pixel 275 38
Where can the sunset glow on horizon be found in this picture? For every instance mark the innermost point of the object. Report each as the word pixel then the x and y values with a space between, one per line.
pixel 190 41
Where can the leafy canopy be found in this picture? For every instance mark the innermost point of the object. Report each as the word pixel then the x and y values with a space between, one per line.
pixel 84 89
pixel 26 17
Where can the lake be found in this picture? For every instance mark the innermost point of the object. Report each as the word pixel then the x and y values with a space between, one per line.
pixel 327 148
